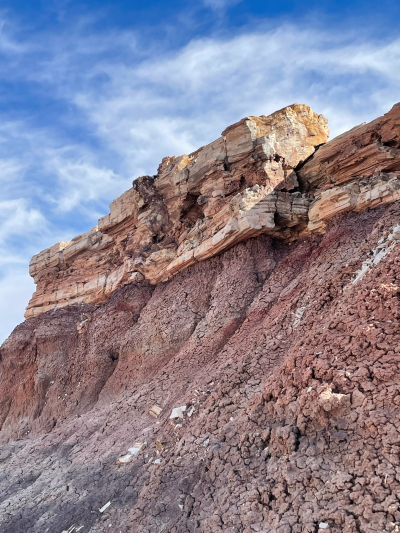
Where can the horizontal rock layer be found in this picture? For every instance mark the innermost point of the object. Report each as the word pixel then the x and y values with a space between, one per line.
pixel 265 175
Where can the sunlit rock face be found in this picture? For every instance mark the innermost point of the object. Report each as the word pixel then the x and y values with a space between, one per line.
pixel 272 175
pixel 236 187
pixel 357 170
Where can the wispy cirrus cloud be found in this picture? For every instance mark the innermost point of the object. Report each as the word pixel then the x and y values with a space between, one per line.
pixel 17 218
pixel 101 107
pixel 82 183
pixel 218 5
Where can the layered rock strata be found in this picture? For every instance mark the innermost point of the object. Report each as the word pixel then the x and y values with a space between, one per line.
pixel 198 205
pixel 272 367
pixel 288 369
pixel 261 176
pixel 357 170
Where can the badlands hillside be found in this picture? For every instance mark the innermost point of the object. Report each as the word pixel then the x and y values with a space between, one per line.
pixel 222 352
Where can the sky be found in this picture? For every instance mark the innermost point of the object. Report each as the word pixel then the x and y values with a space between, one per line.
pixel 95 93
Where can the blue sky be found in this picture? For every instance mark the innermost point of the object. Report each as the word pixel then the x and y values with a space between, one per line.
pixel 94 94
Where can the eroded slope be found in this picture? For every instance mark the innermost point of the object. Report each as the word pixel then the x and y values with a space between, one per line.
pixel 292 370
pixel 282 344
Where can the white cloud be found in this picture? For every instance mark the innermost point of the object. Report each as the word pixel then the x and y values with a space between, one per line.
pixel 139 101
pixel 16 288
pixel 80 182
pixel 16 218
pixel 174 102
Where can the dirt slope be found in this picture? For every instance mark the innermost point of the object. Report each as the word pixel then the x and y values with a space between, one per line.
pixel 243 336
pixel 286 357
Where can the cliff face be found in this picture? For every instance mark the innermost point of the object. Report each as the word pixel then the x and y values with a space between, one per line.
pixel 250 181
pixel 281 348
pixel 198 205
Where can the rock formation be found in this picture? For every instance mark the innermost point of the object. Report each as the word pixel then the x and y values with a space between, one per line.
pixel 221 353
pixel 198 205
pixel 243 184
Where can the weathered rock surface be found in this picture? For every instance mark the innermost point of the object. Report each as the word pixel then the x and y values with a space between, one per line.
pixel 257 178
pixel 357 170
pixel 195 207
pixel 284 351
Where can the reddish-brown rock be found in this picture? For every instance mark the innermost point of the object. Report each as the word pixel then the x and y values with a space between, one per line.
pixel 357 170
pixel 285 355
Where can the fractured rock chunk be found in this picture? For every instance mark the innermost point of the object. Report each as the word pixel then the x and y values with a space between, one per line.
pixel 177 414
pixel 132 453
pixel 155 411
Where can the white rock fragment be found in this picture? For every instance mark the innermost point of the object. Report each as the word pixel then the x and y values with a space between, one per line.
pixel 206 442
pixel 157 461
pixel 323 525
pixel 364 269
pixel 106 506
pixel 309 389
pixel 385 245
pixel 379 256
pixel 136 448
pixel 299 315
pixel 132 452
pixel 124 459
pixel 396 233
pixel 191 410
pixel 177 412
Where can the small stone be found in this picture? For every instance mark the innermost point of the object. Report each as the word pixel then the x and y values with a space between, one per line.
pixel 136 277
pixel 396 233
pixel 323 525
pixel 137 447
pixel 177 412
pixel 132 452
pixel 106 506
pixel 155 411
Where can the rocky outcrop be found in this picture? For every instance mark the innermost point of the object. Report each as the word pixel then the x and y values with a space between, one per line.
pixel 198 205
pixel 288 372
pixel 261 176
pixel 357 170
pixel 253 391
